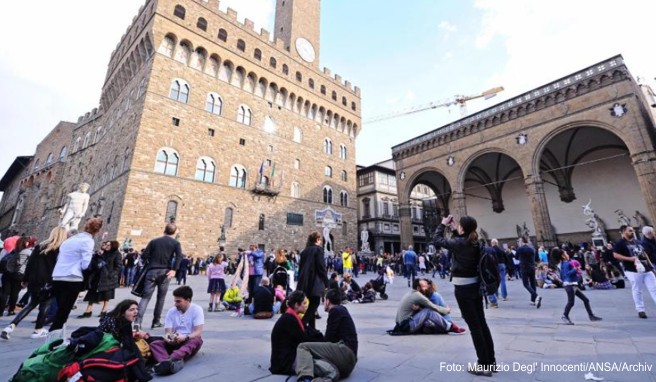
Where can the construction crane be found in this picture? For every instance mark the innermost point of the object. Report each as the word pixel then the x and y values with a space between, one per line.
pixel 455 100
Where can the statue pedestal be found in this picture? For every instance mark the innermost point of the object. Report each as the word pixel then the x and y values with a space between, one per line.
pixel 599 240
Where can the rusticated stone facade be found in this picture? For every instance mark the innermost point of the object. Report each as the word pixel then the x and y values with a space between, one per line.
pixel 204 121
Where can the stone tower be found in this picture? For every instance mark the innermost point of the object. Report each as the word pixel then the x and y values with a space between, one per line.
pixel 298 25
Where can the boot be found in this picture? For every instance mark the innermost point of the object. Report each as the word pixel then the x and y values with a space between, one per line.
pixel 211 308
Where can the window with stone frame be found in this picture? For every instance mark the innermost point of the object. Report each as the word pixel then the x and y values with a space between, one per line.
pixel 227 219
pixel 171 211
pixel 223 35
pixel 167 162
pixel 179 91
pixel 201 24
pixel 238 176
pixel 179 11
pixel 328 195
pixel 244 115
pixel 343 199
pixel 214 103
pixel 205 170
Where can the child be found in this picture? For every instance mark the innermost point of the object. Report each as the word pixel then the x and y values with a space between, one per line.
pixel 570 276
pixel 217 286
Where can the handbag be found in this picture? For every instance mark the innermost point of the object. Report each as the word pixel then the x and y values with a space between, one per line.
pixel 144 348
pixel 140 285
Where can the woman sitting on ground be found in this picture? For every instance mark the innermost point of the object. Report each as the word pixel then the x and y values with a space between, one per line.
pixel 351 288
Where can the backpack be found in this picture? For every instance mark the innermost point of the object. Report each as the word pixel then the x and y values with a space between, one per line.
pixel 113 365
pixel 10 263
pixel 488 273
pixel 47 360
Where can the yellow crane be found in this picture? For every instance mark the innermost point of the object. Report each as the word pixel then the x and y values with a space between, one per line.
pixel 455 100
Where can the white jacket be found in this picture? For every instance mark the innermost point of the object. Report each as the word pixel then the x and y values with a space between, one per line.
pixel 74 255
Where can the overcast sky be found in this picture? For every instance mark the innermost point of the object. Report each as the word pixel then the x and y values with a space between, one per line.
pixel 55 53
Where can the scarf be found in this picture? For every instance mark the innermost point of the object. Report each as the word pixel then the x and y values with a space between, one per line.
pixel 293 313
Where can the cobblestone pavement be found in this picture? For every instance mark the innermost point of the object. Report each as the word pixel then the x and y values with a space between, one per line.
pixel 527 340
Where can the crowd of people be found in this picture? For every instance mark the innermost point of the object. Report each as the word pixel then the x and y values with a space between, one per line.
pixel 292 287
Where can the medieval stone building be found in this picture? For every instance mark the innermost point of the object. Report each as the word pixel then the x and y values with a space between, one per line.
pixel 236 136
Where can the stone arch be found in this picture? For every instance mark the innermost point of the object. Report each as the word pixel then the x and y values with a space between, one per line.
pixel 238 78
pixel 225 71
pixel 436 180
pixel 250 82
pixel 460 182
pixel 213 64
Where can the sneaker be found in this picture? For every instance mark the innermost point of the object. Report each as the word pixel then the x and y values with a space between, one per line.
pixel 163 368
pixel 41 333
pixel 595 318
pixel 12 313
pixel 176 365
pixel 479 371
pixel 538 302
pixel 456 329
pixel 211 308
pixel 494 305
pixel 566 320
pixel 504 298
pixel 7 331
pixel 156 325
pixel 642 314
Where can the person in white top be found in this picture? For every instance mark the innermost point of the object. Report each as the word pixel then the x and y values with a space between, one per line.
pixel 183 328
pixel 67 280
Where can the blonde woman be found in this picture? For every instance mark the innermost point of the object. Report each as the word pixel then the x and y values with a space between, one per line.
pixel 38 279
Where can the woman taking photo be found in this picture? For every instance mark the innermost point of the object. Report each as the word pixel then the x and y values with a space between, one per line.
pixel 465 254
pixel 312 276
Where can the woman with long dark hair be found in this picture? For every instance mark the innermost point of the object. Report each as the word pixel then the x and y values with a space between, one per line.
pixel 465 255
pixel 312 275
pixel 106 278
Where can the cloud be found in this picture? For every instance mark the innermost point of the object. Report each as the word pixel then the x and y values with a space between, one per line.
pixel 543 41
pixel 446 26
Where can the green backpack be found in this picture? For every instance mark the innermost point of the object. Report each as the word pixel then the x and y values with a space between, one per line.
pixel 46 361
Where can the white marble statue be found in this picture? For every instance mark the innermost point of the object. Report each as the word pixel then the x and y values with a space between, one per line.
pixel 76 206
pixel 327 243
pixel 364 237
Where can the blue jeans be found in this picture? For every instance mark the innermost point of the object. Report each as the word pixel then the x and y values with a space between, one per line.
pixel 437 299
pixel 502 285
pixel 410 272
pixel 130 277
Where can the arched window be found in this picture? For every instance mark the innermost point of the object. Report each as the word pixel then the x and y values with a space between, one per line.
pixel 183 52
pixel 344 175
pixel 36 165
pixel 167 162
pixel 241 45
pixel 353 107
pixel 327 146
pixel 323 89
pixel 342 152
pixel 299 77
pixel 327 195
pixel 205 170
pixel 227 219
pixel 334 96
pixel 260 223
pixel 198 59
pixel 201 24
pixel 273 62
pixel 223 35
pixel 171 211
pixel 167 45
pixel 238 176
pixel 298 135
pixel 244 115
pixel 96 138
pixel 51 158
pixel 296 190
pixel 297 164
pixel 76 146
pixel 343 199
pixel 62 154
pixel 179 91
pixel 344 101
pixel 179 11
pixel 311 83
pixel 257 54
pixel 214 104
pixel 87 140
pixel 328 171
pixel 285 69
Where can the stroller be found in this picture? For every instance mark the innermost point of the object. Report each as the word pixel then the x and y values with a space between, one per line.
pixel 280 276
pixel 379 283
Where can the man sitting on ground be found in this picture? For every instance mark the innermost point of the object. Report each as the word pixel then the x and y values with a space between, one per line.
pixel 264 304
pixel 335 358
pixel 417 313
pixel 183 328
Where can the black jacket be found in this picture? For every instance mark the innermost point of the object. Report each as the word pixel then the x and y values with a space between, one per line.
pixel 285 337
pixel 108 277
pixel 312 274
pixel 340 327
pixel 464 254
pixel 38 271
pixel 163 253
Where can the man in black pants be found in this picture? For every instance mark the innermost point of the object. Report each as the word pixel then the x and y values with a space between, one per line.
pixel 163 256
pixel 526 256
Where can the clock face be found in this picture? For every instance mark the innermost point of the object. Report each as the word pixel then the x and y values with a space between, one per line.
pixel 305 49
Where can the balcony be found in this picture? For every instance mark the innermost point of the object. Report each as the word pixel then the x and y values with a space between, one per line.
pixel 265 189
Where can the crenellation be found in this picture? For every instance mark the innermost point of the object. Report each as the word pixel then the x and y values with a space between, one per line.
pixel 249 25
pixel 338 79
pixel 266 35
pixel 357 91
pixel 280 44
pixel 232 14
pixel 327 72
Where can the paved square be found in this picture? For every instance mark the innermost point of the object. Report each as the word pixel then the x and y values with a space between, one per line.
pixel 526 340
